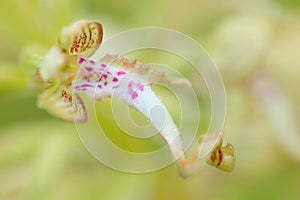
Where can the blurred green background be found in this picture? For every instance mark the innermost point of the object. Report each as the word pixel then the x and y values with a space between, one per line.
pixel 256 45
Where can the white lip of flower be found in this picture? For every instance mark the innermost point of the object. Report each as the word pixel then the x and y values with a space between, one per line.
pixel 130 81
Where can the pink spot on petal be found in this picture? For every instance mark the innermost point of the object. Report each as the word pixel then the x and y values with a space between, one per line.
pixel 133 89
pixel 80 88
pixel 83 87
pixel 140 87
pixel 103 76
pixel 105 83
pixel 99 86
pixel 120 73
pixel 115 79
pixel 89 69
pixel 86 85
pixel 103 65
pixel 134 95
pixel 81 60
pixel 92 62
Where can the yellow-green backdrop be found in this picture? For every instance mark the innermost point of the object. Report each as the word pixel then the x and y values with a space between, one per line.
pixel 255 44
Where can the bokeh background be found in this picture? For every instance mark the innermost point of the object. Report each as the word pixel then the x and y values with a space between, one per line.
pixel 255 44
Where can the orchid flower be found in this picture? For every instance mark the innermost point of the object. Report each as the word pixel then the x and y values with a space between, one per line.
pixel 67 70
